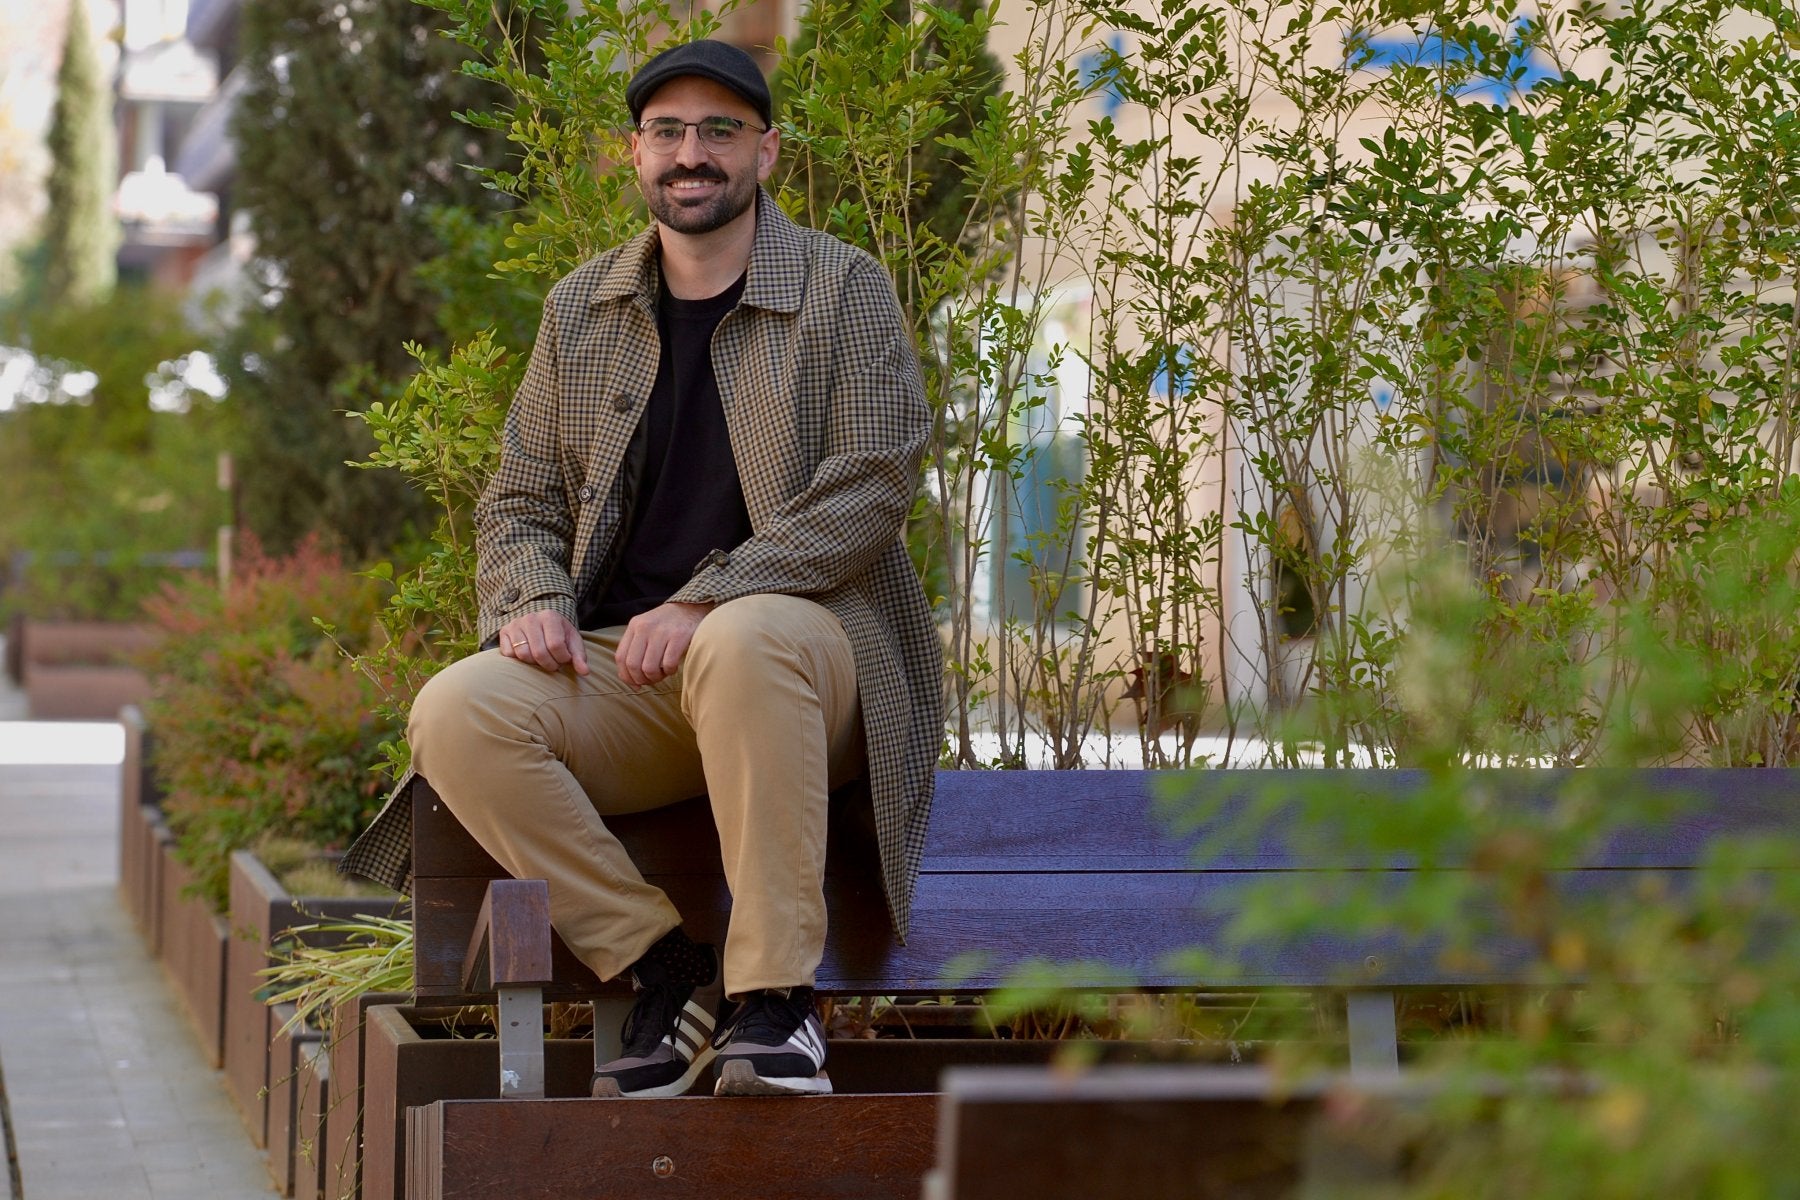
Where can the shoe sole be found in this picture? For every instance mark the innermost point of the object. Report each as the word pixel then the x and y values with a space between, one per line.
pixel 605 1087
pixel 737 1077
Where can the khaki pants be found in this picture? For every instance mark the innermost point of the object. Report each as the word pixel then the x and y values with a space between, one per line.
pixel 762 717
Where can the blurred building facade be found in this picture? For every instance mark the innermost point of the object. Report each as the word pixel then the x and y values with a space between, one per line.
pixel 163 83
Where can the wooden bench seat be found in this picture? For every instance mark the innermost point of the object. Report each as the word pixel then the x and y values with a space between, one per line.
pixel 1079 868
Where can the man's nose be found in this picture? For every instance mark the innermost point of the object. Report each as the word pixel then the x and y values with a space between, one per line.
pixel 691 153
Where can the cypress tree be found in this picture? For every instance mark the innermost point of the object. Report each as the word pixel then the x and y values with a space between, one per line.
pixel 80 233
pixel 346 148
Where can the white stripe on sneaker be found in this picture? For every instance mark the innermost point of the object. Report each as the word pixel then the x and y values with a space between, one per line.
pixel 692 1037
pixel 806 1041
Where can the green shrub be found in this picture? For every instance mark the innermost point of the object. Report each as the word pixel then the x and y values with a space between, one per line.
pixel 261 725
pixel 100 493
pixel 1654 1050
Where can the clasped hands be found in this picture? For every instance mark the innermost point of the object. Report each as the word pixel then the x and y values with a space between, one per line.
pixel 651 650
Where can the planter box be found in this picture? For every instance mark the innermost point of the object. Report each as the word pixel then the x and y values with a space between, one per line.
pixel 80 644
pixel 312 1104
pixel 82 693
pixel 407 1064
pixel 82 669
pixel 138 815
pixel 15 649
pixel 140 882
pixel 160 844
pixel 341 1157
pixel 839 1147
pixel 262 912
pixel 191 944
pixel 292 1141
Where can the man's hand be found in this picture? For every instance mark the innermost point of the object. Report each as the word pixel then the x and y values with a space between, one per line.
pixel 544 639
pixel 655 642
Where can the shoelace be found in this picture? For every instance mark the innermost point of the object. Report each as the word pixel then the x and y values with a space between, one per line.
pixel 765 1019
pixel 653 1017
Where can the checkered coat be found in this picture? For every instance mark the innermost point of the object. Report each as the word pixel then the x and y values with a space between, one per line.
pixel 821 390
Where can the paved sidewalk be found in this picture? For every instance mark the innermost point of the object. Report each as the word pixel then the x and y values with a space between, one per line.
pixel 108 1096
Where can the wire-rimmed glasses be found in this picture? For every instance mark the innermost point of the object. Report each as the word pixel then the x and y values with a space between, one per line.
pixel 664 135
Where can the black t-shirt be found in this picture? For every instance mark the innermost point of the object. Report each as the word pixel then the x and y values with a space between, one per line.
pixel 689 501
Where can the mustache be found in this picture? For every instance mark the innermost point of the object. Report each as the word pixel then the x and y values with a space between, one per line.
pixel 678 174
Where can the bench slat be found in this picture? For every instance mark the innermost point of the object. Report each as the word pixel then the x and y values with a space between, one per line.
pixel 1128 922
pixel 1077 866
pixel 1033 821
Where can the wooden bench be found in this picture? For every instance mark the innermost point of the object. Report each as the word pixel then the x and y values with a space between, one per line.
pixel 1073 867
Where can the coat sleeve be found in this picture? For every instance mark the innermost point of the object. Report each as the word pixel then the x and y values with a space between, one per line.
pixel 862 490
pixel 524 528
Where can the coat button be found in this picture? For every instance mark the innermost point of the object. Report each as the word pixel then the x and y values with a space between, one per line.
pixel 585 493
pixel 621 403
pixel 510 596
pixel 718 558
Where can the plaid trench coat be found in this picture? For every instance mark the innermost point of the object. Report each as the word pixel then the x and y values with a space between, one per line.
pixel 822 396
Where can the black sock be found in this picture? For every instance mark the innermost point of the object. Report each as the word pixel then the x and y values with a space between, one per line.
pixel 682 958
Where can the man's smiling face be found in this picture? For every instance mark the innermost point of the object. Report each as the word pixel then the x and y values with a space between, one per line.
pixel 696 190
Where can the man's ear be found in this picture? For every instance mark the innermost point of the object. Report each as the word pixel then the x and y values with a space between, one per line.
pixel 768 149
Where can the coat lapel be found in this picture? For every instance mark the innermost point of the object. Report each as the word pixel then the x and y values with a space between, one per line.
pixel 753 360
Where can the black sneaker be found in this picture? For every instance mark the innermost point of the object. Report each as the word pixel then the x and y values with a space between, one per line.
pixel 667 1037
pixel 773 1045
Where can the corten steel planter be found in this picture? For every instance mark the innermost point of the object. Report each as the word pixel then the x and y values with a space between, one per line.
pixel 312 1101
pixel 292 1144
pixel 82 669
pixel 82 693
pixel 138 815
pixel 191 944
pixel 15 649
pixel 406 1063
pixel 82 643
pixel 341 1156
pixel 161 843
pixel 262 913
pixel 409 1065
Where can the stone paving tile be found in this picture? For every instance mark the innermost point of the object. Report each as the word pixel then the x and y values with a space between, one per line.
pixel 109 1097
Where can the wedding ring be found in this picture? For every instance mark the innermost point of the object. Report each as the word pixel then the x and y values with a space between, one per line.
pixel 521 642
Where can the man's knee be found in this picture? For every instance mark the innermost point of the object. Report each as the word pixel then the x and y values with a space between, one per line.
pixel 460 703
pixel 757 633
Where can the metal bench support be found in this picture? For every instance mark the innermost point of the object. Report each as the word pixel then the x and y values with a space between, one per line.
pixel 1374 1042
pixel 521 1043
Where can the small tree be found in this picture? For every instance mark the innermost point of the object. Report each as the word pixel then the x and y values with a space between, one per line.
pixel 347 148
pixel 80 233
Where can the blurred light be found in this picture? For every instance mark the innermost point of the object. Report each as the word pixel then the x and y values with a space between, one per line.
pixel 61 743
pixel 148 22
pixel 157 196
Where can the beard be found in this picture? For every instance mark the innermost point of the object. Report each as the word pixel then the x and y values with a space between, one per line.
pixel 715 211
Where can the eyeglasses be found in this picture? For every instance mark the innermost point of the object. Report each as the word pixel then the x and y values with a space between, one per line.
pixel 664 135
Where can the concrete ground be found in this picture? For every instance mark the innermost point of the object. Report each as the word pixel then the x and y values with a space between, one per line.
pixel 102 1085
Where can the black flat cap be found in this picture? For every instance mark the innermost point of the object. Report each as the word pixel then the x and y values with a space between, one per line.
pixel 720 62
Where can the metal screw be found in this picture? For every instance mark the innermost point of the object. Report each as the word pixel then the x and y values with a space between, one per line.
pixel 663 1167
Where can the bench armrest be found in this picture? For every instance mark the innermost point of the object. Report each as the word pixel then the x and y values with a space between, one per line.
pixel 510 945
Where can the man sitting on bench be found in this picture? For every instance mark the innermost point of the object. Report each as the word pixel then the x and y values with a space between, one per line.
pixel 731 390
